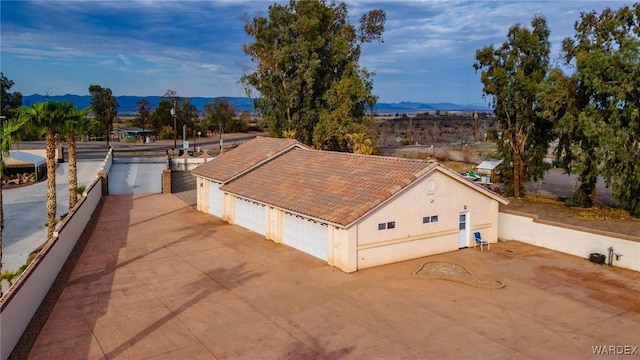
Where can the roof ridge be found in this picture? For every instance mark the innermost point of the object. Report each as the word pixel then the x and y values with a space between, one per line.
pixel 389 158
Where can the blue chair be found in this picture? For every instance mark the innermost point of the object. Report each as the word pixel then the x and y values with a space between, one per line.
pixel 479 241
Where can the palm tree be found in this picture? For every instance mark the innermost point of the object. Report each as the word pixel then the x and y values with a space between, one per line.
pixel 7 129
pixel 76 123
pixel 49 118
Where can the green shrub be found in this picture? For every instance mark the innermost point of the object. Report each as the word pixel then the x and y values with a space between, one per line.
pixel 166 132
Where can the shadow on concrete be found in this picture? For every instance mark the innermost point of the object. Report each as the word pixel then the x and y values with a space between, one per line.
pixel 199 290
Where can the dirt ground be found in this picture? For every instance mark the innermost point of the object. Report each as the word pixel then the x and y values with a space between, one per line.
pixel 600 218
pixel 427 129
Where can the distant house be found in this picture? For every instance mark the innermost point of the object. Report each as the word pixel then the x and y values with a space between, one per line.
pixel 131 134
pixel 352 211
pixel 489 168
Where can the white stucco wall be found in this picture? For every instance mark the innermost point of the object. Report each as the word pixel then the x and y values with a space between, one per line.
pixel 343 248
pixel 18 306
pixel 411 238
pixel 186 164
pixel 573 241
pixel 202 194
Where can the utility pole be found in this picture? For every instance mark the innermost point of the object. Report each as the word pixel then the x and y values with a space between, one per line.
pixel 220 136
pixel 175 128
pixel 475 124
pixel 410 131
pixel 434 130
pixel 184 137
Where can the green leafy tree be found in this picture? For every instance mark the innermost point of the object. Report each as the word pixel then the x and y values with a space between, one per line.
pixel 105 109
pixel 9 101
pixel 307 70
pixel 188 115
pixel 245 118
pixel 576 152
pixel 219 114
pixel 161 117
pixel 8 128
pixel 145 111
pixel 605 129
pixel 513 76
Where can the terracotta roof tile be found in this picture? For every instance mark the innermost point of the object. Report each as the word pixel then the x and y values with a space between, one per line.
pixel 234 162
pixel 335 187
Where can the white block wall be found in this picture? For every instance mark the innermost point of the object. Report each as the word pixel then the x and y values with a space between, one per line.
pixel 574 241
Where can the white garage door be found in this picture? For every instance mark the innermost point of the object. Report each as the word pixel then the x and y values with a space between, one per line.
pixel 304 235
pixel 215 199
pixel 251 216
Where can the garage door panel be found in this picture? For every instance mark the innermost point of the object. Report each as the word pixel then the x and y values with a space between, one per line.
pixel 251 216
pixel 215 199
pixel 307 236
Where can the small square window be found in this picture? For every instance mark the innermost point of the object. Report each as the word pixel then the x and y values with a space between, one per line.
pixel 430 219
pixel 382 226
pixel 391 225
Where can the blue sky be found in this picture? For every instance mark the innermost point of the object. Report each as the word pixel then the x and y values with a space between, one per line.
pixel 194 47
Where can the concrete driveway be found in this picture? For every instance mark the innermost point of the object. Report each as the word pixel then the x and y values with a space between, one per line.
pixel 25 212
pixel 159 280
pixel 136 176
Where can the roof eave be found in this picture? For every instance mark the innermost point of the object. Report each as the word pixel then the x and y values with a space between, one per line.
pixel 481 189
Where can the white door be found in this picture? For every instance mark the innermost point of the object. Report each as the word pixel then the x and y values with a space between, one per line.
pixel 307 236
pixel 252 216
pixel 215 199
pixel 463 230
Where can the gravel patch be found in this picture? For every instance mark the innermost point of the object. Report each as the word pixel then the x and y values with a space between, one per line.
pixel 454 272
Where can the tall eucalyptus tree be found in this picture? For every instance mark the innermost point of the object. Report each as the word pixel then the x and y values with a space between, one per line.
pixel 307 73
pixel 514 76
pixel 604 131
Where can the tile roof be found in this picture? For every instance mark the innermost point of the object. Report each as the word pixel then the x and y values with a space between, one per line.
pixel 335 187
pixel 234 162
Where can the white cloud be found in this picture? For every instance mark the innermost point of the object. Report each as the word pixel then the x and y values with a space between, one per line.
pixel 210 67
pixel 195 45
pixel 125 60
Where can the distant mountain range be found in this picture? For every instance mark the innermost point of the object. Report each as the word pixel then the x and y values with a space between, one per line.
pixel 128 104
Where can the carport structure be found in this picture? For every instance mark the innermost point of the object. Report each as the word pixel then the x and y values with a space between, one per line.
pixel 21 160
